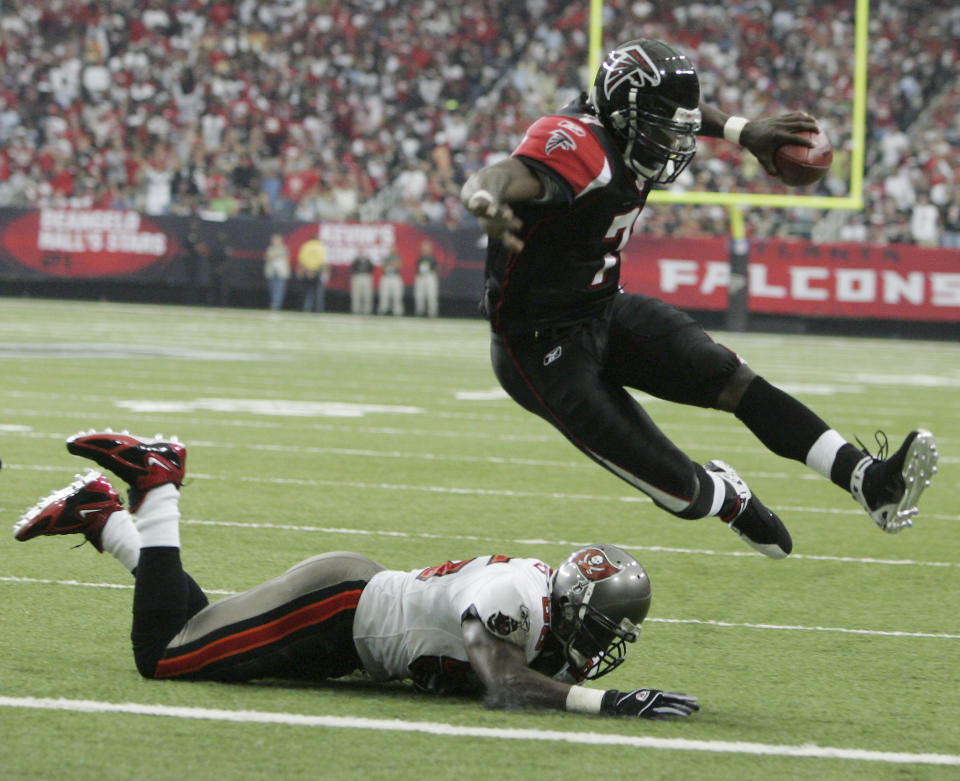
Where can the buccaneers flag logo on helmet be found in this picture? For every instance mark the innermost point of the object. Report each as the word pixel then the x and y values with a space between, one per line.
pixel 595 565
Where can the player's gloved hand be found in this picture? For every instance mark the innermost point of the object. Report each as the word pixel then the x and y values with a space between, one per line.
pixel 648 703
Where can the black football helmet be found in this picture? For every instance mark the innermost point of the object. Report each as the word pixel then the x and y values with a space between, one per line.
pixel 647 95
pixel 599 597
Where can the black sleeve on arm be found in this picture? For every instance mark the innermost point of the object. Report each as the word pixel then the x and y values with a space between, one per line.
pixel 556 190
pixel 712 120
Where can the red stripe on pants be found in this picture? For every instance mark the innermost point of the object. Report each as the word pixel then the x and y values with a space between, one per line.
pixel 257 636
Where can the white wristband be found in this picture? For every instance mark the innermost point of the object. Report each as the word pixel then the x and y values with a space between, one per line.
pixel 580 699
pixel 733 127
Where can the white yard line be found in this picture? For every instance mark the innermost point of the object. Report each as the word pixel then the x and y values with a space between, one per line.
pixel 458 731
pixel 572 544
pixel 561 543
pixel 471 491
pixel 678 621
pixel 402 429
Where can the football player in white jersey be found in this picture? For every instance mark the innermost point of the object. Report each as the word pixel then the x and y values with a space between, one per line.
pixel 512 629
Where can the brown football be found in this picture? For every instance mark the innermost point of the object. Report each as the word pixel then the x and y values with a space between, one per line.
pixel 799 166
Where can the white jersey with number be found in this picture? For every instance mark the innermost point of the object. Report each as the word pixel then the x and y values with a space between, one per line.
pixel 407 624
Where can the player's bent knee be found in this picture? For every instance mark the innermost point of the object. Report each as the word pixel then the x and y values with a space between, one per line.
pixel 729 398
pixel 146 656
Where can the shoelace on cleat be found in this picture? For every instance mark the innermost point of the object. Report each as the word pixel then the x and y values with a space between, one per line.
pixel 883 446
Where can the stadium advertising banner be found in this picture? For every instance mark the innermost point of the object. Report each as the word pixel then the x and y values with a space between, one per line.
pixel 86 242
pixel 902 282
pixel 345 241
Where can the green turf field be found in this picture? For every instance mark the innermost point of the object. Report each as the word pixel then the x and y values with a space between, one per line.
pixel 390 437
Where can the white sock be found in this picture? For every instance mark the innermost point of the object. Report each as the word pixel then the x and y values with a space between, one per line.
pixel 821 456
pixel 158 519
pixel 719 493
pixel 121 539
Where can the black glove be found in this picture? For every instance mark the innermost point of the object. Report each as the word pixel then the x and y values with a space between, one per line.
pixel 648 703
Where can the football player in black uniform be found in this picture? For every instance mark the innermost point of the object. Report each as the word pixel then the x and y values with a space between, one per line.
pixel 567 342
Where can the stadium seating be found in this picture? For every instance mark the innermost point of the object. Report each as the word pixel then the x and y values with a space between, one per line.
pixel 379 110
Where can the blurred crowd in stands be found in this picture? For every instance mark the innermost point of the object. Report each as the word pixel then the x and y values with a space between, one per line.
pixel 379 109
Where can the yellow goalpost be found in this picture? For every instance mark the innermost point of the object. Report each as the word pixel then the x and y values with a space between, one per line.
pixel 853 201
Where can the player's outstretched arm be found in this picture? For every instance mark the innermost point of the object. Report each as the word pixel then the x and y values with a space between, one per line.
pixel 510 683
pixel 763 136
pixel 488 193
pixel 503 670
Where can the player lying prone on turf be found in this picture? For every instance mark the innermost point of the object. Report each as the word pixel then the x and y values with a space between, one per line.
pixel 512 628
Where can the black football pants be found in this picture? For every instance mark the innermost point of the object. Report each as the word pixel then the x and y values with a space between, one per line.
pixel 296 626
pixel 576 378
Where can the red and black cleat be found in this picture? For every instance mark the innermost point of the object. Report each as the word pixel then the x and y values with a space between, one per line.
pixel 83 507
pixel 141 463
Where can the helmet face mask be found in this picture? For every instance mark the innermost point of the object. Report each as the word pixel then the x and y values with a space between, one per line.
pixel 659 149
pixel 647 95
pixel 595 645
pixel 600 596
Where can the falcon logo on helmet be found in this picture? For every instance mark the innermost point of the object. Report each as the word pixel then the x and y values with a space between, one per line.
pixel 630 64
pixel 595 565
pixel 647 95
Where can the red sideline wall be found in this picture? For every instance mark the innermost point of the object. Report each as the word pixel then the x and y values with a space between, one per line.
pixel 799 278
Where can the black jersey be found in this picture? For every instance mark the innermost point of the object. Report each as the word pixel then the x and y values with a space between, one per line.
pixel 569 267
